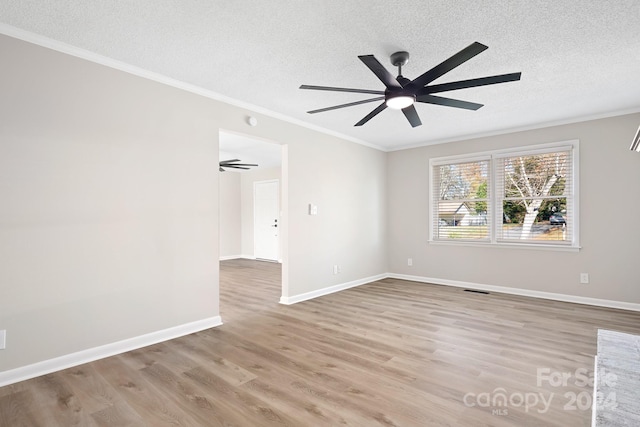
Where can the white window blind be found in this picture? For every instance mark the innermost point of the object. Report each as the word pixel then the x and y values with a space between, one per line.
pixel 534 199
pixel 461 201
pixel 517 196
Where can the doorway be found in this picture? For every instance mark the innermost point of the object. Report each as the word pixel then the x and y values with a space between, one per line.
pixel 252 225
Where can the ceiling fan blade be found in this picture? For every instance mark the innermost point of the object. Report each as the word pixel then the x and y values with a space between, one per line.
pixel 372 114
pixel 230 161
pixel 412 115
pixel 463 84
pixel 448 102
pixel 230 165
pixel 235 167
pixel 350 104
pixel 343 89
pixel 382 73
pixel 444 67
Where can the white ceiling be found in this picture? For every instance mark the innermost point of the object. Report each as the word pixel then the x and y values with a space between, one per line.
pixel 579 59
pixel 249 150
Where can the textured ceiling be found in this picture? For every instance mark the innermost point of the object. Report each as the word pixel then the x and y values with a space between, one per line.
pixel 579 59
pixel 249 150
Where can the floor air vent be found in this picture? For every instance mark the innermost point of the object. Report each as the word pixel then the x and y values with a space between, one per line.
pixel 476 292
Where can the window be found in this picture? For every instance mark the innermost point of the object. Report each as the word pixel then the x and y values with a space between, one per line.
pixel 525 196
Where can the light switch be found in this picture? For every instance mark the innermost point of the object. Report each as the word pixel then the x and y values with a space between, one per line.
pixel 313 209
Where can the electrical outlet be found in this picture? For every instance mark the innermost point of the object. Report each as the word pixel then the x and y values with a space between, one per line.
pixel 3 339
pixel 336 269
pixel 410 262
pixel 584 278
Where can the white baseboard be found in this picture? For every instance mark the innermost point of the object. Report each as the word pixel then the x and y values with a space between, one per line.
pixel 74 359
pixel 89 355
pixel 329 290
pixel 228 257
pixel 522 292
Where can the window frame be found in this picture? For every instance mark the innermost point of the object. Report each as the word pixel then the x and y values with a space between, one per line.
pixel 571 244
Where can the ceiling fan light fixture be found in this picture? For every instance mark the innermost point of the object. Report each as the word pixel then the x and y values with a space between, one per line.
pixel 635 145
pixel 400 101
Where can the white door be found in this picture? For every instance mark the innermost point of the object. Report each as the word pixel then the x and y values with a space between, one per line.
pixel 266 213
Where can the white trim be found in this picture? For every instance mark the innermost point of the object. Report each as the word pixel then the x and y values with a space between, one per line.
pixel 594 396
pixel 545 147
pixel 330 289
pixel 59 46
pixel 506 245
pixel 494 202
pixel 224 258
pixel 622 305
pixel 91 354
pixel 532 150
pixel 575 195
pixel 461 158
pixel 516 129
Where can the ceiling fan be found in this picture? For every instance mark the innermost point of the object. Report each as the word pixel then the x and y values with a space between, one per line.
pixel 233 164
pixel 401 93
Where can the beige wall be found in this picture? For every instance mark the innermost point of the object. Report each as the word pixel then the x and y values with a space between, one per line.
pixel 109 214
pixel 230 214
pixel 347 182
pixel 609 233
pixel 108 225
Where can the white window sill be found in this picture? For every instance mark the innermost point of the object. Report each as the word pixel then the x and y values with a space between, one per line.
pixel 504 245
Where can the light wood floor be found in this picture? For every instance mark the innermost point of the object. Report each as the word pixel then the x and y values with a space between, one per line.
pixel 390 353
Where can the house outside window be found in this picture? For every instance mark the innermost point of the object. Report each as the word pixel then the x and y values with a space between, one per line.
pixel 524 197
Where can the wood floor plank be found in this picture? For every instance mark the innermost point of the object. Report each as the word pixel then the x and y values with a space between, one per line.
pixel 152 404
pixel 16 410
pixel 119 414
pixel 200 355
pixel 204 405
pixel 92 391
pixel 59 401
pixel 388 353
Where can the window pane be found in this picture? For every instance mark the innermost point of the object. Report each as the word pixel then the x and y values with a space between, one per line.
pixel 530 186
pixel 536 176
pixel 461 201
pixel 538 220
pixel 463 181
pixel 463 220
pixel 524 196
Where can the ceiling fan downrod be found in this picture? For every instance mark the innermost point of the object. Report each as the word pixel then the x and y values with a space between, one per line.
pixel 399 59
